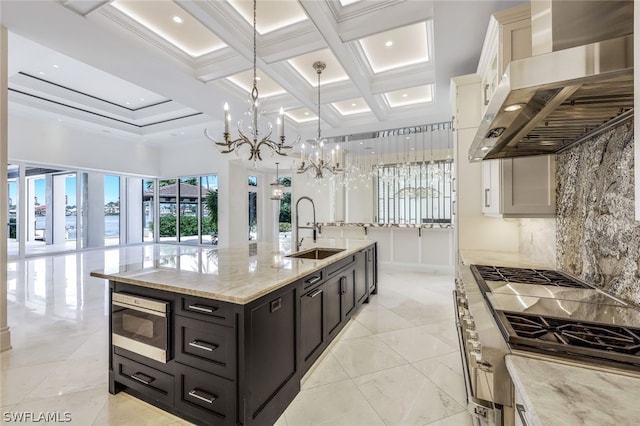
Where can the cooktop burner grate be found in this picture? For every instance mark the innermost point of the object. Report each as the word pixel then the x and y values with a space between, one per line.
pixel 527 276
pixel 572 333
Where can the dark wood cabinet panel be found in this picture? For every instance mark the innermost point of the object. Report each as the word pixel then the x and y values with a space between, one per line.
pixel 371 269
pixel 348 290
pixel 271 348
pixel 333 296
pixel 154 384
pixel 361 284
pixel 207 346
pixel 312 326
pixel 205 396
pixel 207 310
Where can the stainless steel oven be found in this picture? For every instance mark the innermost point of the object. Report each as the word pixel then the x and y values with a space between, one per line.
pixel 140 325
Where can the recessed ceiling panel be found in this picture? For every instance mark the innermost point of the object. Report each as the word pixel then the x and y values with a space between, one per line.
pixel 410 96
pixel 174 24
pixel 266 86
pixel 271 15
pixel 333 73
pixel 68 73
pixel 397 48
pixel 348 2
pixel 301 115
pixel 351 106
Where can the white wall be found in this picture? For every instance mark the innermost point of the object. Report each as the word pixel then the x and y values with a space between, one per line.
pixel 94 226
pixel 40 141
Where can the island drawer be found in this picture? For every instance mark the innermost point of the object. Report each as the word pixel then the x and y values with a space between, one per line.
pixel 206 309
pixel 338 265
pixel 146 380
pixel 207 346
pixel 205 396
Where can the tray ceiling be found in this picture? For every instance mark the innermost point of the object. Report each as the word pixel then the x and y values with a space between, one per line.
pixel 161 70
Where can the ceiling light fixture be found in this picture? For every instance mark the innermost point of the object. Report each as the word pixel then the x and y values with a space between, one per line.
pixel 252 132
pixel 56 66
pixel 177 20
pixel 389 43
pixel 513 107
pixel 318 160
pixel 404 95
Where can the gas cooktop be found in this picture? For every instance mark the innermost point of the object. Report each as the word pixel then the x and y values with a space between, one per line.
pixel 485 273
pixel 568 337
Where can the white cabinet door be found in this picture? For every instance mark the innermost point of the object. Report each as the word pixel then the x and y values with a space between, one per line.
pixel 519 187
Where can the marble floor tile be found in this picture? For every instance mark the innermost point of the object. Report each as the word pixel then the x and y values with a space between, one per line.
pixel 81 407
pixel 403 396
pixel 18 382
pixel 415 344
pixel 460 419
pixel 327 370
pixel 353 330
pixel 338 403
pixel 439 371
pixel 381 320
pixel 444 330
pixel 365 355
pixel 125 410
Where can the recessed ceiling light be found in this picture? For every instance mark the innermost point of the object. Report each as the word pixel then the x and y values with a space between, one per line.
pixel 177 20
pixel 56 66
pixel 389 43
pixel 41 73
pixel 484 148
pixel 141 99
pixel 306 113
pixel 353 105
pixel 404 95
pixel 513 107
pixel 258 78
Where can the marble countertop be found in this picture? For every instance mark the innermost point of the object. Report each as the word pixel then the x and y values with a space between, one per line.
pixel 238 275
pixel 556 393
pixel 501 258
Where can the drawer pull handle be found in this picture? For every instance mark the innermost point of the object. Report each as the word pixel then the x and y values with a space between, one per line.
pixel 201 308
pixel 315 293
pixel 313 280
pixel 202 396
pixel 204 346
pixel 142 378
pixel 521 411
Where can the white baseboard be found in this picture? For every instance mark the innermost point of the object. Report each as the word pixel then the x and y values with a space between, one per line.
pixel 417 267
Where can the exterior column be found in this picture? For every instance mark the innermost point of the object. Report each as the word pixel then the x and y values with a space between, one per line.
pixel 5 334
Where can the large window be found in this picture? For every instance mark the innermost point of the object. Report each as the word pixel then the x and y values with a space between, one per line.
pixel 284 215
pixel 190 193
pixel 416 193
pixel 111 210
pixel 167 194
pixel 209 209
pixel 253 208
pixel 148 209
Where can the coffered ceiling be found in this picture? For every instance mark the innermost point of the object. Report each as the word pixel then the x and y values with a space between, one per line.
pixel 159 71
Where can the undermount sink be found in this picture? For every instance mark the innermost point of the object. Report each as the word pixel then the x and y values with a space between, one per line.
pixel 316 253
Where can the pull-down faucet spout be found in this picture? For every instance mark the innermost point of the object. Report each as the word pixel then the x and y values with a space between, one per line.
pixel 298 227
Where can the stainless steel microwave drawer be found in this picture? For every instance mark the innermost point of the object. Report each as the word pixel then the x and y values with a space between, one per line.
pixel 206 309
pixel 209 347
pixel 152 383
pixel 205 396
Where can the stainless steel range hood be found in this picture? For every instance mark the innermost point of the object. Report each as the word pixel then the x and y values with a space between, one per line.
pixel 546 103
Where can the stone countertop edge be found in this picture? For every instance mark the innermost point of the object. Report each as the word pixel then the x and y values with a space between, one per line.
pixel 233 289
pixel 558 393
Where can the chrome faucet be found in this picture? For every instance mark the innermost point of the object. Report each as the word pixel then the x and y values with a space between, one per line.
pixel 298 227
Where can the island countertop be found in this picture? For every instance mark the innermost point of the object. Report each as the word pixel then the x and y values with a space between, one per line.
pixel 236 275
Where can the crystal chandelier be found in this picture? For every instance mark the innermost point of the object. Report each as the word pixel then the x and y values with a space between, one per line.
pixel 276 188
pixel 251 135
pixel 317 160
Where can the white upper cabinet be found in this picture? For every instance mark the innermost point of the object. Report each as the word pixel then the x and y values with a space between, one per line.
pixel 508 38
pixel 512 187
pixel 519 187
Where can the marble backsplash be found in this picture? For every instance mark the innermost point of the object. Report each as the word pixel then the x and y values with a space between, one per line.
pixel 597 237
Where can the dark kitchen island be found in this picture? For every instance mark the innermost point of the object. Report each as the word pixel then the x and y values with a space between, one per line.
pixel 223 337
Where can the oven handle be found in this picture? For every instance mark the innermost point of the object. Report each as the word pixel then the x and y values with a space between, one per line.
pixel 139 308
